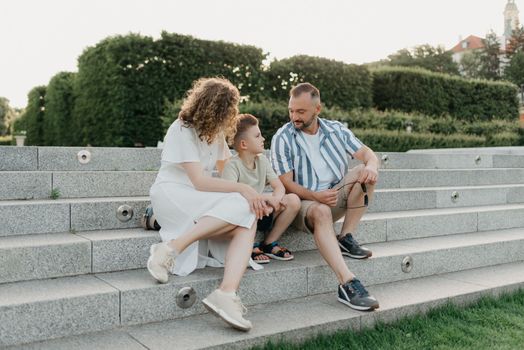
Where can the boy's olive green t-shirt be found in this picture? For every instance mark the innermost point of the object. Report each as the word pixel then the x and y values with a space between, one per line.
pixel 258 178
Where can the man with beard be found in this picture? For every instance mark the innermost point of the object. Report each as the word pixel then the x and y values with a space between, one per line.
pixel 310 155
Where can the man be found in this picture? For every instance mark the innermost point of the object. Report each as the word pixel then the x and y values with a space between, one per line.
pixel 310 155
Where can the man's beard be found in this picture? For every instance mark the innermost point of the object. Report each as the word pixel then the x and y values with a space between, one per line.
pixel 303 125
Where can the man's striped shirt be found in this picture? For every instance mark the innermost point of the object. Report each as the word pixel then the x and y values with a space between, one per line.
pixel 289 152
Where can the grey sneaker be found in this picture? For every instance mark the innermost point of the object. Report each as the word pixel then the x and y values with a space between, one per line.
pixel 228 308
pixel 354 295
pixel 350 247
pixel 161 260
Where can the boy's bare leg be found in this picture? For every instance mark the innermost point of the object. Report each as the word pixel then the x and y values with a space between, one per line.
pixel 284 217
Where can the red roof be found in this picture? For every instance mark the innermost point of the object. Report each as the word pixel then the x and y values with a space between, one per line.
pixel 472 42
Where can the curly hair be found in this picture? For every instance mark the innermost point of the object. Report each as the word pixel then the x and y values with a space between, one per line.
pixel 211 107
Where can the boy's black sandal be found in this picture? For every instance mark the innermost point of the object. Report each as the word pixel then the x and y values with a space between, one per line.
pixel 280 254
pixel 258 253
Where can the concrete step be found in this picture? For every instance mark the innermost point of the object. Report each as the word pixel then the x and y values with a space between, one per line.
pixel 139 299
pixel 83 214
pixel 111 159
pixel 516 150
pixel 397 300
pixel 63 215
pixel 76 184
pixel 67 158
pixel 413 178
pixel 445 197
pixel 89 184
pixel 43 256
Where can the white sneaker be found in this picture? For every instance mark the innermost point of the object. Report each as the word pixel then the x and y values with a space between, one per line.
pixel 229 308
pixel 161 260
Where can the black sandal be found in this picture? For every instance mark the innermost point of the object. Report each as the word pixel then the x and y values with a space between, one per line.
pixel 280 254
pixel 257 254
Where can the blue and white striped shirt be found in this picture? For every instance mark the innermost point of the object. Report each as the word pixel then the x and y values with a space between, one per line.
pixel 289 152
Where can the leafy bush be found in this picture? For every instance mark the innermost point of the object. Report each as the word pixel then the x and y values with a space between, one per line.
pixel 59 102
pixel 418 90
pixel 344 85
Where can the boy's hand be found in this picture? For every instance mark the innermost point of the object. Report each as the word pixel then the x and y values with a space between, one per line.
pixel 275 203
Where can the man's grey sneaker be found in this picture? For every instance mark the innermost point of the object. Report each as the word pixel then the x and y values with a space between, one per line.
pixel 161 261
pixel 229 308
pixel 350 247
pixel 354 295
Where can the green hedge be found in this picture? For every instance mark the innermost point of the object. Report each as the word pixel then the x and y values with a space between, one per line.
pixel 394 141
pixel 427 132
pixel 34 115
pixel 345 85
pixel 413 89
pixel 123 81
pixel 59 101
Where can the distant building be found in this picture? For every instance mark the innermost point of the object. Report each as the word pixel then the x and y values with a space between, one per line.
pixel 472 42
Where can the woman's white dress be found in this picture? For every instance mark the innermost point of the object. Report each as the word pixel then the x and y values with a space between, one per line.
pixel 178 205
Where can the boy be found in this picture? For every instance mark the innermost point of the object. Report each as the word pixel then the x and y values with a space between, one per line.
pixel 250 166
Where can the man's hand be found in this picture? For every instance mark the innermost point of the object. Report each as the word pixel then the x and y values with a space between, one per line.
pixel 328 197
pixel 368 175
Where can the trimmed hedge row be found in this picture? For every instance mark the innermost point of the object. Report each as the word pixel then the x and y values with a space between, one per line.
pixel 344 85
pixel 394 141
pixel 33 117
pixel 59 101
pixel 385 131
pixel 415 89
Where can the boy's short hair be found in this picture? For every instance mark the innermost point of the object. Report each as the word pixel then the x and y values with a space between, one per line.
pixel 244 122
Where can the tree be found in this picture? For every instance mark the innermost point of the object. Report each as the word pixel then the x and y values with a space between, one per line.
pixel 489 57
pixel 514 72
pixel 515 43
pixel 4 111
pixel 436 59
pixel 470 64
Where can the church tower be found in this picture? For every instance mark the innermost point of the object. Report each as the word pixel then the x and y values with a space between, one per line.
pixel 511 18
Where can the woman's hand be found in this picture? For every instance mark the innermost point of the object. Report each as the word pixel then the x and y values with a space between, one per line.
pixel 257 204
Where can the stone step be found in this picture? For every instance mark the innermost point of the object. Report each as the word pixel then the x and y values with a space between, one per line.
pixel 29 257
pixel 84 304
pixel 445 197
pixel 516 150
pixel 398 299
pixel 67 158
pixel 85 214
pixel 111 159
pixel 34 310
pixel 88 184
pixel 63 215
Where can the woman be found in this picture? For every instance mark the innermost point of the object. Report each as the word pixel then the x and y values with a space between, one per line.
pixel 196 211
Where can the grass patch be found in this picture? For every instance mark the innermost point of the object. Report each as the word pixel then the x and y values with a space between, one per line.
pixel 487 324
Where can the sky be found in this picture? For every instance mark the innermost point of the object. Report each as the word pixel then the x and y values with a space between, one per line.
pixel 41 38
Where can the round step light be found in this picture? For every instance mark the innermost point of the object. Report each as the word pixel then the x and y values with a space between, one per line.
pixel 385 158
pixel 124 213
pixel 478 159
pixel 186 297
pixel 454 196
pixel 83 156
pixel 407 264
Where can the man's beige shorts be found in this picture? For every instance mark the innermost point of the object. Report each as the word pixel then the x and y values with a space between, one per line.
pixel 337 211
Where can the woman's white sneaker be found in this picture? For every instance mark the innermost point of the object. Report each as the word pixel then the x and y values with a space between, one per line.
pixel 161 260
pixel 229 308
